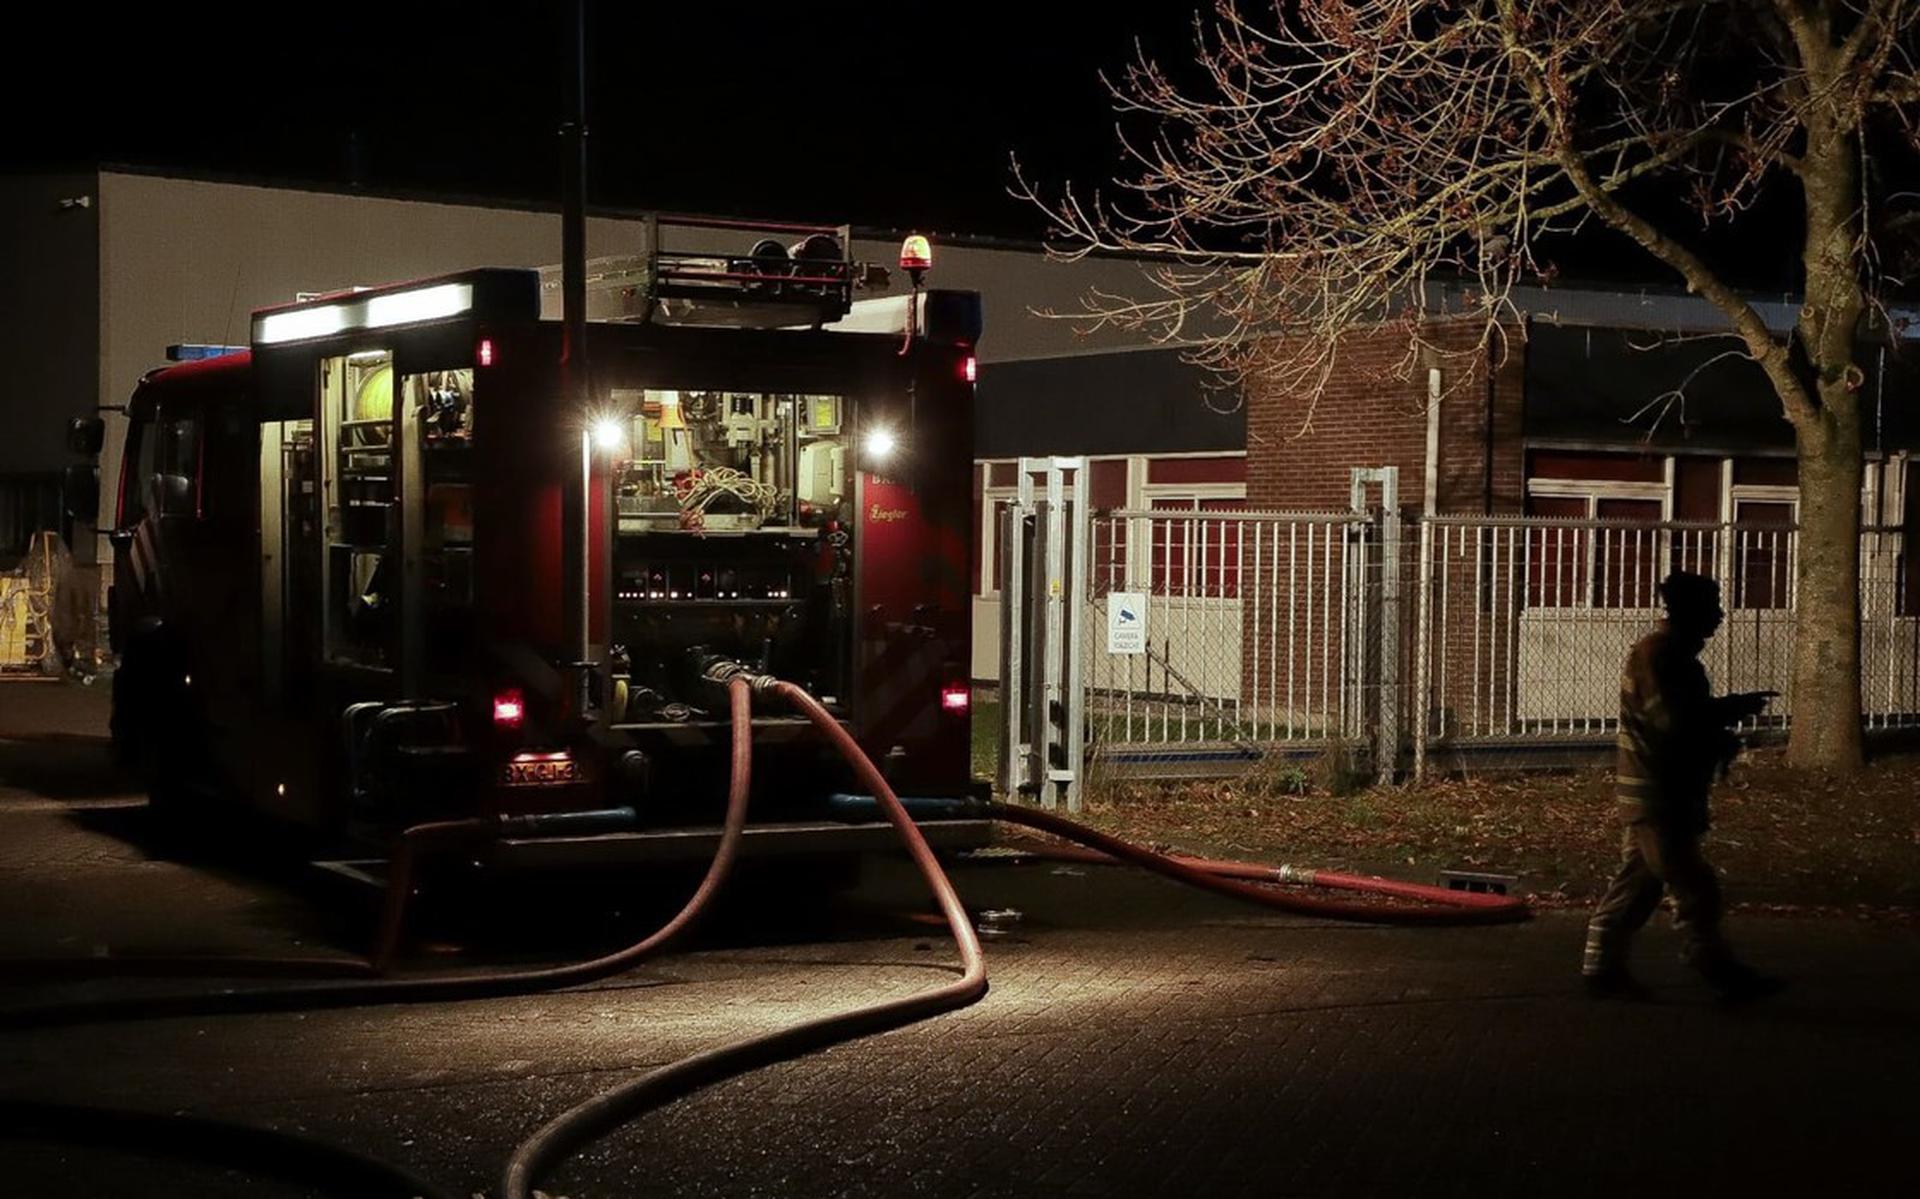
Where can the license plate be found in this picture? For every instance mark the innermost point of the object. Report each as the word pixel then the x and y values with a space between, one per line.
pixel 540 772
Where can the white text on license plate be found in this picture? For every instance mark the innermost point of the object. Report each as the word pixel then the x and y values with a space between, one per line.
pixel 540 772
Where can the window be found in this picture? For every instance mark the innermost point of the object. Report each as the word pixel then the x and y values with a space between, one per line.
pixel 1626 555
pixel 1762 553
pixel 136 472
pixel 1107 565
pixel 1556 557
pixel 229 461
pixel 173 487
pixel 1192 555
pixel 1610 565
pixel 1107 489
pixel 1617 561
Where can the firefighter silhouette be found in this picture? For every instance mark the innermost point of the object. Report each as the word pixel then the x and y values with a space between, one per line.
pixel 1675 739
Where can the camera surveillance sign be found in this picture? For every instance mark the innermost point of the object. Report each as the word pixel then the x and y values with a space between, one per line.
pixel 1126 622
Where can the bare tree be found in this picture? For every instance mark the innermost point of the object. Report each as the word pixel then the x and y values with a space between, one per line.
pixel 1321 165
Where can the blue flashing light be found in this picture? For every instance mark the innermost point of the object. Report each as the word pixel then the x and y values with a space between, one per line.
pixel 194 353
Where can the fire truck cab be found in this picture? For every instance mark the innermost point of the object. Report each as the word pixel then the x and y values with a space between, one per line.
pixel 341 572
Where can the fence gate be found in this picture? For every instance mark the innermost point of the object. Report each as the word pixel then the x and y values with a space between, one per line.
pixel 1043 555
pixel 1189 642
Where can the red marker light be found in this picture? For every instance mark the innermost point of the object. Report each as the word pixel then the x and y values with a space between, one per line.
pixel 956 697
pixel 970 368
pixel 483 355
pixel 509 709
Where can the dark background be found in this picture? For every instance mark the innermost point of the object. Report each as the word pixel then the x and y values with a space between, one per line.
pixel 897 115
pixel 881 114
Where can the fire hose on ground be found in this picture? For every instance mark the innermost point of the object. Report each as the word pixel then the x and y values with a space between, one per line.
pixel 274 1150
pixel 609 1110
pixel 599 1115
pixel 1238 880
pixel 441 989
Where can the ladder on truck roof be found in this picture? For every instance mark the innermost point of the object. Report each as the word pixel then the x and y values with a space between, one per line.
pixel 760 281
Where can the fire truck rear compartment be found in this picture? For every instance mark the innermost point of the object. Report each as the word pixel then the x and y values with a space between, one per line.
pixel 729 510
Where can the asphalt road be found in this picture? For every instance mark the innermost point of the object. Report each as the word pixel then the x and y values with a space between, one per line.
pixel 1138 1040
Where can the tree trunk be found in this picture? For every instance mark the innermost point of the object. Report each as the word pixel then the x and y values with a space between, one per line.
pixel 1825 730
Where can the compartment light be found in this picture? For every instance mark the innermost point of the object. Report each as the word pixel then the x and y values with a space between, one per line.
pixel 302 323
pixel 608 434
pixel 880 444
pixel 378 312
pixel 422 304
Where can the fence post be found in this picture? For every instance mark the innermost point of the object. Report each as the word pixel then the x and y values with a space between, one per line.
pixel 1387 748
pixel 1386 744
pixel 1049 569
pixel 1075 606
pixel 1012 537
pixel 1422 653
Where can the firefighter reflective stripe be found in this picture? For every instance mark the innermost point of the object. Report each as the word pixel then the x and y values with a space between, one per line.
pixel 1598 959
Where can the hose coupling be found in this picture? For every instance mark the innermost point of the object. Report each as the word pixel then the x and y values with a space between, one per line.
pixel 721 670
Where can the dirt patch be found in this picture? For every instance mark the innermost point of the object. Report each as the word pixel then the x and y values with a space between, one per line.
pixel 1783 839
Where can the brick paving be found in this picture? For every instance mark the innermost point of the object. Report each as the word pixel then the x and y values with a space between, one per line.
pixel 1199 1052
pixel 1138 1040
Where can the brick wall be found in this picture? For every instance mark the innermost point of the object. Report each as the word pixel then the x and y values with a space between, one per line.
pixel 1368 416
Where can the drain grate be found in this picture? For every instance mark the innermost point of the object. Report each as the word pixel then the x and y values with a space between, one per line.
pixel 1478 880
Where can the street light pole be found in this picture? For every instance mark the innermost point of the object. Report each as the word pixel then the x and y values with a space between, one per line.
pixel 576 558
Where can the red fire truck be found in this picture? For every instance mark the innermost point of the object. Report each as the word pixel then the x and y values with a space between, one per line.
pixel 345 585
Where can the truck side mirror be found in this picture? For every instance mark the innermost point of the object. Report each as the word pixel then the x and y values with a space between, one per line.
pixel 80 492
pixel 85 435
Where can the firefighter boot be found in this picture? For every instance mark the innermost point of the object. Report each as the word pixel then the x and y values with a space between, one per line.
pixel 1603 969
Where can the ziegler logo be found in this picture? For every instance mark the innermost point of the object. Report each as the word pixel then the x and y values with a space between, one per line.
pixel 876 513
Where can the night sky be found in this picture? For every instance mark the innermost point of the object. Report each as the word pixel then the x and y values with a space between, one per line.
pixel 891 115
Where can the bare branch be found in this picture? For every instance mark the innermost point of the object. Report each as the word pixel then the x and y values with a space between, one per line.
pixel 1700 278
pixel 1320 170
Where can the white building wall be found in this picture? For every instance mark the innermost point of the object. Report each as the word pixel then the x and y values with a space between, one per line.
pixel 185 260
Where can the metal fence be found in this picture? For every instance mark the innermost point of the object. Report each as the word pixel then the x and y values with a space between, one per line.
pixel 1252 631
pixel 1260 629
pixel 1313 631
pixel 1523 622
